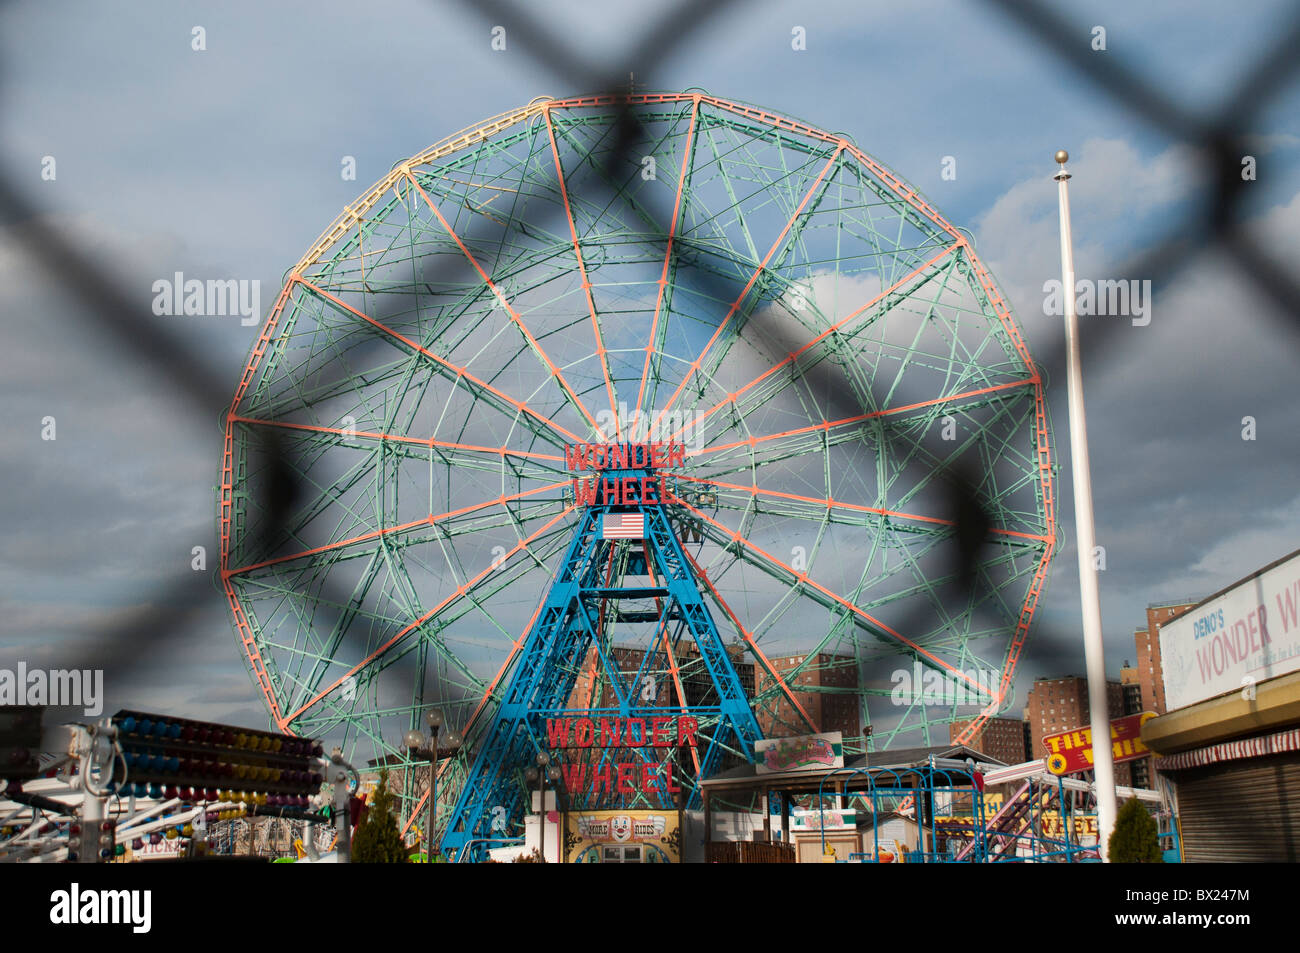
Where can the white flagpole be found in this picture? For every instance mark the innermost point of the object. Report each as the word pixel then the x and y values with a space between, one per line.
pixel 1094 650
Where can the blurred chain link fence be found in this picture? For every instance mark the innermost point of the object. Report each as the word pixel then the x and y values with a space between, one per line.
pixel 1217 221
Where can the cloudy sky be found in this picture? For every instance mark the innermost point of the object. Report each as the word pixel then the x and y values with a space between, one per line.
pixel 226 162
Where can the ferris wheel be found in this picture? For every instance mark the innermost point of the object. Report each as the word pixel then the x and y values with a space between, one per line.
pixel 822 346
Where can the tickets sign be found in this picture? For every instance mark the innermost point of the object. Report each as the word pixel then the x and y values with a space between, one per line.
pixel 1069 752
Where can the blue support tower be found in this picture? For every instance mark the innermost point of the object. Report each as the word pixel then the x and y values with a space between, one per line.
pixel 596 574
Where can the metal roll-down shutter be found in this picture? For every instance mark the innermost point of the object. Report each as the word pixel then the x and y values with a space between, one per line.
pixel 1242 810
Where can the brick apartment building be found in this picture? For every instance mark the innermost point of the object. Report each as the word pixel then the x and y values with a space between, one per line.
pixel 826 687
pixel 1147 641
pixel 1001 738
pixel 592 687
pixel 1131 686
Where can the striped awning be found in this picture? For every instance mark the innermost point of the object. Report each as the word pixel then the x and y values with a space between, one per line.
pixel 1277 743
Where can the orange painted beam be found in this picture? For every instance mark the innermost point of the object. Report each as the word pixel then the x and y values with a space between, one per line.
pixel 837 504
pixel 399 438
pixel 835 597
pixel 582 272
pixel 791 358
pixel 459 593
pixel 520 406
pixel 676 673
pixel 515 648
pixel 668 249
pixel 376 534
pixel 752 643
pixel 735 305
pixel 674 670
pixel 246 637
pixel 514 315
pixel 1047 494
pixel 859 418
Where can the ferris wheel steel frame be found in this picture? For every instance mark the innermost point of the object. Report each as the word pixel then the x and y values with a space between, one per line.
pixel 299 703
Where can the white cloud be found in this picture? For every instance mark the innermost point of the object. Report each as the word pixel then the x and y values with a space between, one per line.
pixel 1113 191
pixel 1279 228
pixel 1184 506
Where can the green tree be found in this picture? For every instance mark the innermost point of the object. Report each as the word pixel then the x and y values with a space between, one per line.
pixel 1134 839
pixel 376 840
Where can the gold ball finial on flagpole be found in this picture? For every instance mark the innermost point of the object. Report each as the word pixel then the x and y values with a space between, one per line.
pixel 1062 156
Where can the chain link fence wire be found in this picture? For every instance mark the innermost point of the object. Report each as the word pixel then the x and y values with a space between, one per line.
pixel 1217 221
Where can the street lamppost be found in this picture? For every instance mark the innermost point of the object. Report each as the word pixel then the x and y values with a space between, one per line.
pixel 421 747
pixel 538 776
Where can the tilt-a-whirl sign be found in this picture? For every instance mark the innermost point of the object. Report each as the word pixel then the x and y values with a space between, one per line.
pixel 1069 752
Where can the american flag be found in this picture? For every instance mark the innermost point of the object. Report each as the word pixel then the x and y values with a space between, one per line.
pixel 622 526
